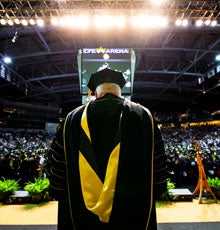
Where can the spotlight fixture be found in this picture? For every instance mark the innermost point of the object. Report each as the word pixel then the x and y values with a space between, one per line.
pixel 217 57
pixel 15 37
pixel 199 22
pixel 17 21
pixel 182 22
pixel 24 22
pixel 7 60
pixel 3 21
pixel 105 20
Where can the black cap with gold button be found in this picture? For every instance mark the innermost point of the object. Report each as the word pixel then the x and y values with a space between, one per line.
pixel 106 76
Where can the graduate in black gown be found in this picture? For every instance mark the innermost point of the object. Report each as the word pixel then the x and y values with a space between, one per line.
pixel 107 163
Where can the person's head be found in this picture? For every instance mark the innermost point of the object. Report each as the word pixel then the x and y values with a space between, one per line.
pixel 106 81
pixel 104 88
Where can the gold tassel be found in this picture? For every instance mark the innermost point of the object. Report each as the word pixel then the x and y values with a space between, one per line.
pixel 89 94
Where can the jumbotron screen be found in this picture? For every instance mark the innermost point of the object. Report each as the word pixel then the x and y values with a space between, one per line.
pixel 91 60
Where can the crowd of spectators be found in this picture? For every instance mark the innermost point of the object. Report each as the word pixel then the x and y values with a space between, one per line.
pixel 182 155
pixel 189 115
pixel 23 153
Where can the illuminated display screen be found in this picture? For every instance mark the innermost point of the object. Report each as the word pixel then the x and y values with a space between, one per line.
pixel 93 60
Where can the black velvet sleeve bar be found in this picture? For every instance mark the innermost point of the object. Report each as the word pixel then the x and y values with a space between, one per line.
pixel 160 167
pixel 56 166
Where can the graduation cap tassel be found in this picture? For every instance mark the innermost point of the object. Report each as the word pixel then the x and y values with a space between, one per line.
pixel 89 94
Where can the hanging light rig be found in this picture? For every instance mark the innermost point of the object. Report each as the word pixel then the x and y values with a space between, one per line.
pixel 14 39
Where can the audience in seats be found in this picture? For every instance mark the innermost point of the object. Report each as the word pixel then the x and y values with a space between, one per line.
pixel 23 154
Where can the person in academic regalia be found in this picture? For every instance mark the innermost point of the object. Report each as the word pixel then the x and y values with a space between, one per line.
pixel 107 163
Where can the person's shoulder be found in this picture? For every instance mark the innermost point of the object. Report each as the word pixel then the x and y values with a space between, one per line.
pixel 138 109
pixel 76 112
pixel 136 106
pixel 131 104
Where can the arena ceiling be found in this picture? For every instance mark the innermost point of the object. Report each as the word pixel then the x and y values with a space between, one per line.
pixel 175 65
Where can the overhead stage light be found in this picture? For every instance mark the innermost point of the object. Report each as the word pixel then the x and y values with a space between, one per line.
pixel 147 21
pixel 217 58
pixel 207 22
pixel 24 22
pixel 185 22
pixel 213 23
pixel 10 22
pixel 40 22
pixel 199 22
pixel 7 60
pixel 182 22
pixel 17 21
pixel 3 21
pixel 108 19
pixel 32 22
pixel 204 22
pixel 105 21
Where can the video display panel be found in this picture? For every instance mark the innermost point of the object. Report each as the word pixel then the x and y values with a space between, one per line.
pixel 91 60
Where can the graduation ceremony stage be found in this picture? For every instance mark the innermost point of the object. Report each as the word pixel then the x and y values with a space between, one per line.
pixel 175 215
pixel 41 216
pixel 188 215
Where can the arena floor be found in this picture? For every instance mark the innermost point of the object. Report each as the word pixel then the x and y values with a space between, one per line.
pixel 183 215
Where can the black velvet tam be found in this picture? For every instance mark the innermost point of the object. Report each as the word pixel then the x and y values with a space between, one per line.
pixel 106 76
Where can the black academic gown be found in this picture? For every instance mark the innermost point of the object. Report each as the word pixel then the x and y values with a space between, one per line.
pixel 141 171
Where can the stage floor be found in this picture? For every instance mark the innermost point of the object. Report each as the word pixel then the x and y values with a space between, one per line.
pixel 185 215
pixel 188 215
pixel 179 212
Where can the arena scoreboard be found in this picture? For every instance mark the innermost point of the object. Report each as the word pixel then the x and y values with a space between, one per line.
pixel 91 60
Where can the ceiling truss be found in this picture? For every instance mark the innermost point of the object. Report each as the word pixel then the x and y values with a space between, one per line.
pixel 169 61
